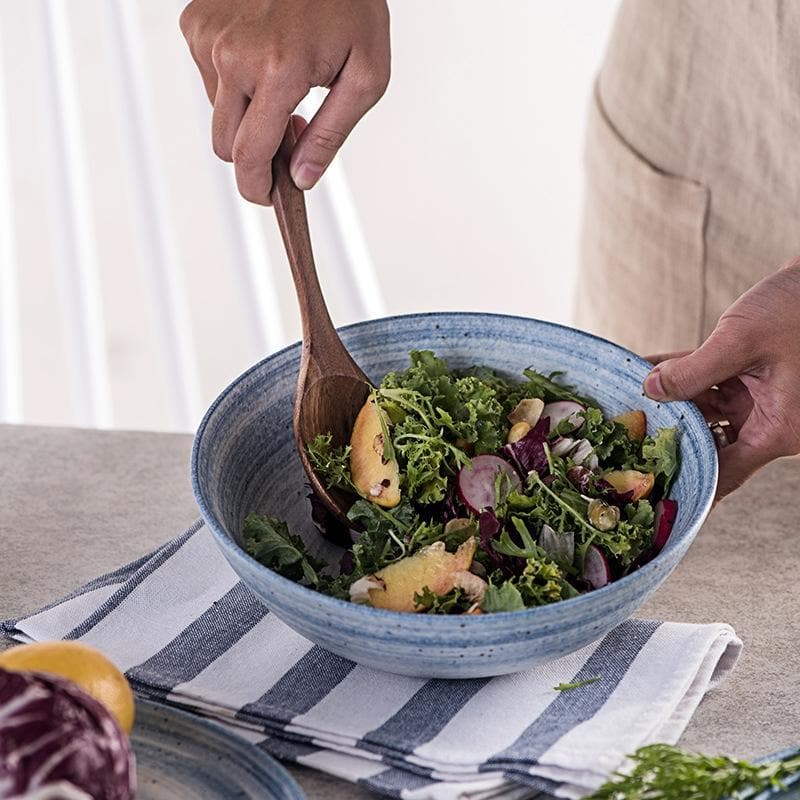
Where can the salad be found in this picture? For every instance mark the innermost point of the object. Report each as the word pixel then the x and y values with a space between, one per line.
pixel 475 494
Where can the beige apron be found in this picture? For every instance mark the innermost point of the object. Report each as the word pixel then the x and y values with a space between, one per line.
pixel 692 167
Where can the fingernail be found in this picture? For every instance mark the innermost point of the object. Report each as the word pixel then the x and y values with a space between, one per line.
pixel 305 176
pixel 653 387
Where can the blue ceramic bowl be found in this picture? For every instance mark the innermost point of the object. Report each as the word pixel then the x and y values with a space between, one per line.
pixel 244 460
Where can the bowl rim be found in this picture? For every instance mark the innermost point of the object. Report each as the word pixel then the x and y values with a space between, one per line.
pixel 357 610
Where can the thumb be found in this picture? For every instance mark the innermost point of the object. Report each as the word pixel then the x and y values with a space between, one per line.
pixel 720 357
pixel 355 91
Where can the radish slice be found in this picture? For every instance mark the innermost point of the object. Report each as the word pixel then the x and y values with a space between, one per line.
pixel 561 410
pixel 475 483
pixel 596 571
pixel 665 513
pixel 562 446
pixel 582 452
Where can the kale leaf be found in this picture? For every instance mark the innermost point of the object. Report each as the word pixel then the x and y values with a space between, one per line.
pixel 454 602
pixel 268 541
pixel 436 416
pixel 609 439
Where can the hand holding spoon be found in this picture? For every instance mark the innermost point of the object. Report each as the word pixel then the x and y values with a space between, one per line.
pixel 331 387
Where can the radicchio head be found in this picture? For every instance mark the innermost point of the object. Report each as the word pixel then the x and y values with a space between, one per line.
pixel 58 742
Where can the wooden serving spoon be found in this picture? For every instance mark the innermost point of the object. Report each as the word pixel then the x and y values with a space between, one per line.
pixel 331 387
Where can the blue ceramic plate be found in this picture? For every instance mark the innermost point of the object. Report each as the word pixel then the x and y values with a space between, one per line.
pixel 181 755
pixel 245 460
pixel 791 790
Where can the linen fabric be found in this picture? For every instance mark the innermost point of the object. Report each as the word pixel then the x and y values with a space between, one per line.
pixel 692 167
pixel 188 633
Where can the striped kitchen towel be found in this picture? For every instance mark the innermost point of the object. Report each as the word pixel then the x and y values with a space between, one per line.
pixel 188 633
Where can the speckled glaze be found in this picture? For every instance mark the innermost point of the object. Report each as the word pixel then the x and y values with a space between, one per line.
pixel 244 460
pixel 181 755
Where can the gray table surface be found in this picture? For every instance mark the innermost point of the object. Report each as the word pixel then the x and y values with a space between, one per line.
pixel 75 503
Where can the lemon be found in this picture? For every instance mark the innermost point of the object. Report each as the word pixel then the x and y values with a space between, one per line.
pixel 83 665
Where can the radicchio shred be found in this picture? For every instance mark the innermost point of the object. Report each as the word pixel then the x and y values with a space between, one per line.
pixel 528 454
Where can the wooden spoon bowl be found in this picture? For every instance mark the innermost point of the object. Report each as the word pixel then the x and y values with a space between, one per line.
pixel 331 387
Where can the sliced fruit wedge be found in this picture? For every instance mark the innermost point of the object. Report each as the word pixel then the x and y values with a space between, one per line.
pixel 431 566
pixel 631 480
pixel 376 479
pixel 635 422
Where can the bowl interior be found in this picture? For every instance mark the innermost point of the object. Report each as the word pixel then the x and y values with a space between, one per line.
pixel 245 460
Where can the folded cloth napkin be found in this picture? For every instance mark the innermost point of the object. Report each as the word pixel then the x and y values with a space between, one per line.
pixel 188 633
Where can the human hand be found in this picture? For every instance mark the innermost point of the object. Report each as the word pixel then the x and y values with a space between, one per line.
pixel 258 60
pixel 746 373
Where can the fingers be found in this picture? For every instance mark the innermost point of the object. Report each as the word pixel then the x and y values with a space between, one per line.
pixel 209 77
pixel 299 125
pixel 680 378
pixel 737 463
pixel 355 91
pixel 257 140
pixel 230 106
pixel 657 358
pixel 200 49
pixel 258 60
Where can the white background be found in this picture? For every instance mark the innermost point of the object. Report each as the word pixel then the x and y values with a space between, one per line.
pixel 466 177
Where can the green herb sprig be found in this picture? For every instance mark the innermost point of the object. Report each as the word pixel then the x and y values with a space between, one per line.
pixel 568 687
pixel 664 772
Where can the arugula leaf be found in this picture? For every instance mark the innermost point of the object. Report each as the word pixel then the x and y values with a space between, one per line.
pixel 384 533
pixel 371 517
pixel 568 687
pixel 546 387
pixel 331 463
pixel 505 597
pixel 268 541
pixel 455 533
pixel 528 549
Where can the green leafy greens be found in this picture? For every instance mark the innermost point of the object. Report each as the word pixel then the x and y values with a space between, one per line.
pixel 664 772
pixel 269 541
pixel 330 462
pixel 533 535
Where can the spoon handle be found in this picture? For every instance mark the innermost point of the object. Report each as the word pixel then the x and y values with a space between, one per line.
pixel 322 348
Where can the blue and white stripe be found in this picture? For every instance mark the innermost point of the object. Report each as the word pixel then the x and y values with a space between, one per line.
pixel 188 633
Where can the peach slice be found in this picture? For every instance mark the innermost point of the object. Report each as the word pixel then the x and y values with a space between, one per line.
pixel 631 480
pixel 432 566
pixel 529 409
pixel 635 423
pixel 375 479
